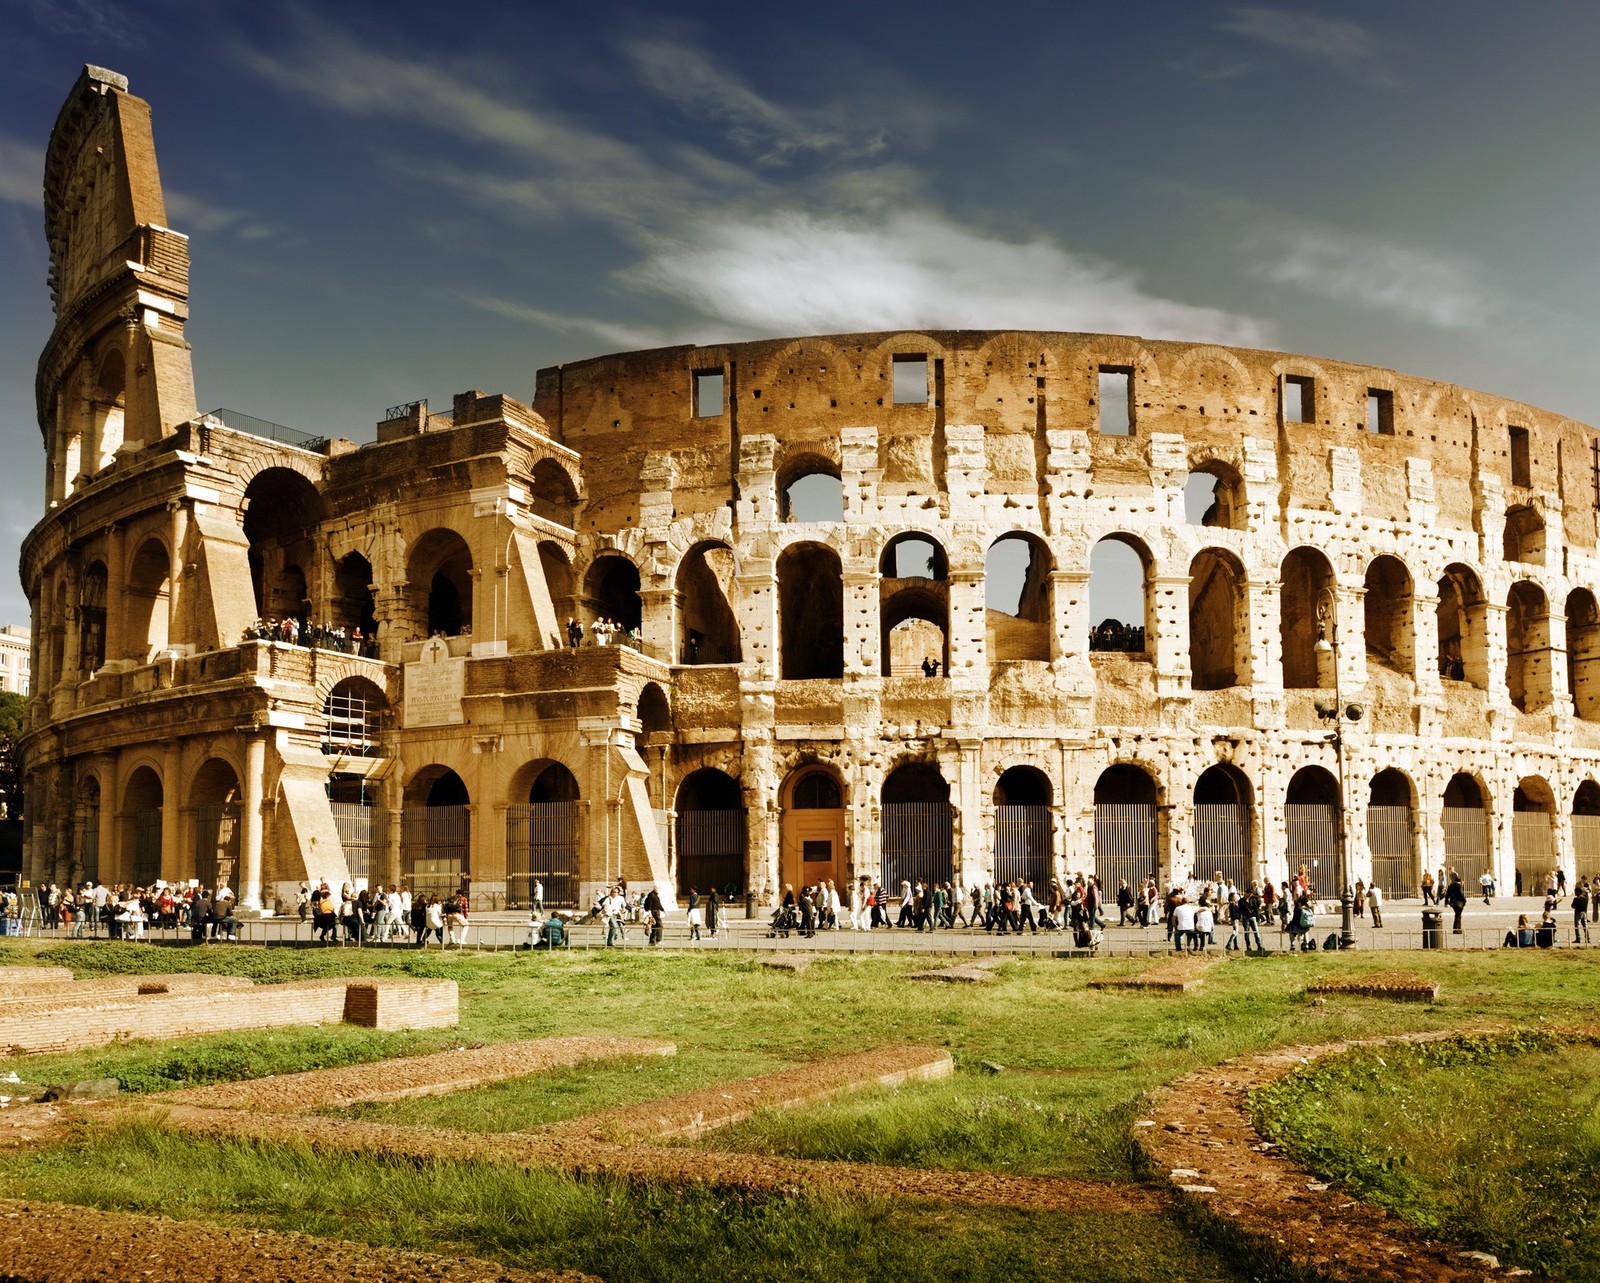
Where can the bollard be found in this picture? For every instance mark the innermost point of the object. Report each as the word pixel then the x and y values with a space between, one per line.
pixel 1432 929
pixel 749 905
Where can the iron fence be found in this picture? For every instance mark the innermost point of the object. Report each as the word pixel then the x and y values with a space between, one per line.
pixel 1534 846
pixel 1125 843
pixel 711 848
pixel 434 849
pixel 542 846
pixel 1222 841
pixel 362 835
pixel 1466 842
pixel 918 843
pixel 1022 845
pixel 147 847
pixel 216 843
pixel 1586 845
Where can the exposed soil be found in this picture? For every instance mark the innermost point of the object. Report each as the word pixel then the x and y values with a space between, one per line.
pixel 1174 975
pixel 50 1243
pixel 401 1079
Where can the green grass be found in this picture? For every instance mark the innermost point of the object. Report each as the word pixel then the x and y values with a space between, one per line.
pixel 1076 1063
pixel 1491 1141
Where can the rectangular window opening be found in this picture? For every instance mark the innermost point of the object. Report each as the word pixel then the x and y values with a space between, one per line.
pixel 1380 412
pixel 1299 399
pixel 708 393
pixel 1521 472
pixel 1116 401
pixel 911 380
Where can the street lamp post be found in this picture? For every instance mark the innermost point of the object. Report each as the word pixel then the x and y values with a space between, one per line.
pixel 1328 643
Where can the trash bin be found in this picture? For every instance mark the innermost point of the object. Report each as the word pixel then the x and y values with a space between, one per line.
pixel 1432 929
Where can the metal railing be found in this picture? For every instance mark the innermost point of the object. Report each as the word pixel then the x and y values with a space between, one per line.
pixel 248 423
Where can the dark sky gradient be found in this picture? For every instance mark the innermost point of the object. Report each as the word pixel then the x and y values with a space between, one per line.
pixel 398 200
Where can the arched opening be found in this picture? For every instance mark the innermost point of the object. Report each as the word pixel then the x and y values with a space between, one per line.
pixel 914 607
pixel 1022 827
pixel 86 833
pixel 809 489
pixel 1125 838
pixel 143 801
pixel 1586 831
pixel 1523 537
pixel 1016 590
pixel 1528 647
pixel 552 494
pixel 1583 654
pixel 149 586
pixel 354 714
pixel 1533 834
pixel 542 838
pixel 653 711
pixel 1119 595
pixel 215 800
pixel 611 592
pixel 1223 825
pixel 1219 638
pixel 1465 820
pixel 108 429
pixel 1213 495
pixel 708 631
pixel 711 833
pixel 1463 637
pixel 1311 827
pixel 352 603
pixel 1306 589
pixel 1386 607
pixel 1391 833
pixel 282 510
pixel 810 613
pixel 92 621
pixel 436 834
pixel 439 579
pixel 813 828
pixel 918 826
pixel 557 569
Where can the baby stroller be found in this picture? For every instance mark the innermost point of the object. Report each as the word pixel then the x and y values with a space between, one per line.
pixel 1048 921
pixel 785 918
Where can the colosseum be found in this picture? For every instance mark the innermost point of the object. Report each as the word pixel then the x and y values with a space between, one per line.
pixel 962 605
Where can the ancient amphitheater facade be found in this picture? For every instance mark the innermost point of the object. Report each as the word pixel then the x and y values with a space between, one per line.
pixel 1351 604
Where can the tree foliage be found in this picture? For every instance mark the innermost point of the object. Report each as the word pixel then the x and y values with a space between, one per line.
pixel 13 710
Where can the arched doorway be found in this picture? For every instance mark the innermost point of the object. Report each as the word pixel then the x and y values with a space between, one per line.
pixel 1462 620
pixel 282 510
pixel 214 800
pixel 1120 611
pixel 1386 608
pixel 86 833
pixel 918 827
pixel 1533 837
pixel 542 838
pixel 148 591
pixel 353 606
pixel 1305 577
pixel 1022 828
pixel 142 803
pixel 1586 831
pixel 611 592
pixel 813 829
pixel 914 607
pixel 1583 654
pixel 439 575
pixel 1528 647
pixel 1125 845
pixel 1311 828
pixel 809 489
pixel 1218 630
pixel 810 613
pixel 708 631
pixel 1017 598
pixel 436 833
pixel 711 833
pixel 1391 834
pixel 1465 820
pixel 1223 822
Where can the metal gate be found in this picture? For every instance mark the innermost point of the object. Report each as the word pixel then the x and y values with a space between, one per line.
pixel 362 835
pixel 147 847
pixel 1222 841
pixel 1394 867
pixel 1125 843
pixel 216 844
pixel 1311 833
pixel 711 851
pixel 434 844
pixel 542 845
pixel 1466 843
pixel 1022 845
pixel 918 843
pixel 1586 845
pixel 1534 846
pixel 89 848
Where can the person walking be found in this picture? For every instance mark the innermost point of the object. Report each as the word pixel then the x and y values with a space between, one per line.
pixel 1427 886
pixel 1375 903
pixel 1455 898
pixel 1580 911
pixel 1486 885
pixel 713 913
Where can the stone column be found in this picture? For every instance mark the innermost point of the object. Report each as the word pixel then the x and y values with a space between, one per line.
pixel 172 860
pixel 178 513
pixel 116 587
pixel 255 767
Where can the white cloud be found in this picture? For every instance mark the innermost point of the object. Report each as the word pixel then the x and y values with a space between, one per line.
pixel 794 273
pixel 21 172
pixel 90 19
pixel 623 336
pixel 192 214
pixel 1377 274
pixel 1346 47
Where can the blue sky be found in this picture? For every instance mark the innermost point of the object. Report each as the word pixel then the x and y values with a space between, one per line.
pixel 398 200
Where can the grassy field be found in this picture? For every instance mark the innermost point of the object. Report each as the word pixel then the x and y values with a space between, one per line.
pixel 1075 1064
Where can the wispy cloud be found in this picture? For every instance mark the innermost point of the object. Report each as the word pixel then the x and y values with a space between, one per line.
pixel 90 19
pixel 624 336
pixel 795 272
pixel 1346 47
pixel 1378 274
pixel 21 172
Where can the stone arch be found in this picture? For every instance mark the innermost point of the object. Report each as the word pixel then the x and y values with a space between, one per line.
pixel 708 629
pixel 810 488
pixel 1523 539
pixel 281 512
pixel 1586 831
pixel 1386 609
pixel 611 591
pixel 918 826
pixel 1218 630
pixel 1121 605
pixel 1583 654
pixel 1023 827
pixel 439 582
pixel 148 589
pixel 1312 826
pixel 216 805
pixel 812 841
pixel 108 411
pixel 1126 825
pixel 810 612
pixel 1533 835
pixel 1465 815
pixel 436 833
pixel 1305 616
pixel 1391 832
pixel 552 492
pixel 86 801
pixel 1018 597
pixel 1214 495
pixel 92 619
pixel 355 712
pixel 710 831
pixel 1210 374
pixel 543 835
pixel 1224 824
pixel 1463 627
pixel 353 605
pixel 653 710
pixel 140 820
pixel 1528 663
pixel 914 587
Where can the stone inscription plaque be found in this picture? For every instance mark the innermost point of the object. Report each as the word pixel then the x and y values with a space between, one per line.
pixel 434 685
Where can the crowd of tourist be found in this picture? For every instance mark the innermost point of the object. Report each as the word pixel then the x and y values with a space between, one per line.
pixel 291 631
pixel 375 915
pixel 130 913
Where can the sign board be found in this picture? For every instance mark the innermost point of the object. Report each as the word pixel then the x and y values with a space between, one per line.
pixel 434 685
